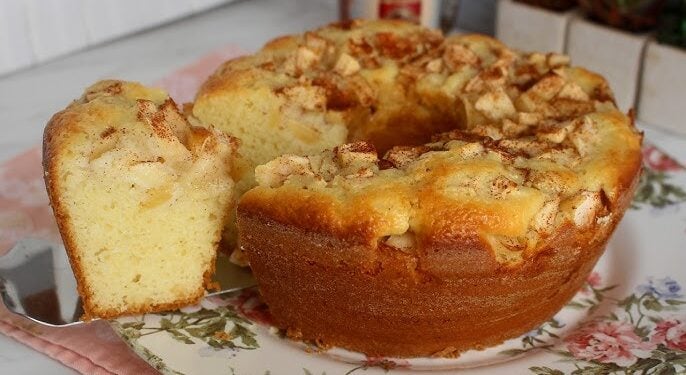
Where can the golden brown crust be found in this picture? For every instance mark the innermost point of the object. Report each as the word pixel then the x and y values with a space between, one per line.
pixel 394 304
pixel 463 242
pixel 444 299
pixel 50 146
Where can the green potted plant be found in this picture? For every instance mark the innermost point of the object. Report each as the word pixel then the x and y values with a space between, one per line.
pixel 556 5
pixel 663 81
pixel 672 24
pixel 632 15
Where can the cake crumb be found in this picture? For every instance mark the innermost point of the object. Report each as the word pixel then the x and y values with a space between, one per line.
pixel 449 352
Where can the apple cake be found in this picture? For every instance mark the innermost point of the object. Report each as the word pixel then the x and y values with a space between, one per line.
pixel 417 194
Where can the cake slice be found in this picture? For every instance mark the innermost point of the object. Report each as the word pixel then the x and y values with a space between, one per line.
pixel 140 197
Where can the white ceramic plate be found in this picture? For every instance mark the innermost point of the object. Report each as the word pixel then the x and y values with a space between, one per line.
pixel 631 315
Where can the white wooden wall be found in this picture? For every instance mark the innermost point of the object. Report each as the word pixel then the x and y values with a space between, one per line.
pixel 33 31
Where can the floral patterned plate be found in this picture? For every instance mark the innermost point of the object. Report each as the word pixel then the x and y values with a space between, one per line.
pixel 629 318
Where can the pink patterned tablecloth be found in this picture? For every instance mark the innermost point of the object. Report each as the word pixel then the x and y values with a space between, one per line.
pixel 24 211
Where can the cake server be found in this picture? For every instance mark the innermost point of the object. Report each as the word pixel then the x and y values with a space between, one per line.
pixel 37 282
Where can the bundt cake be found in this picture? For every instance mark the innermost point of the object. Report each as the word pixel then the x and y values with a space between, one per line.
pixel 401 193
pixel 140 198
pixel 501 178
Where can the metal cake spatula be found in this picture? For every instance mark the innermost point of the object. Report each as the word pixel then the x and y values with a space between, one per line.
pixel 37 282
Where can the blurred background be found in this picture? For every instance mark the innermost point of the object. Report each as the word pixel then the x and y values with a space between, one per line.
pixel 35 31
pixel 638 45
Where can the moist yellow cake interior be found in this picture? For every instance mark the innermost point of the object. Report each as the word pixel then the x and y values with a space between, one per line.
pixel 145 198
